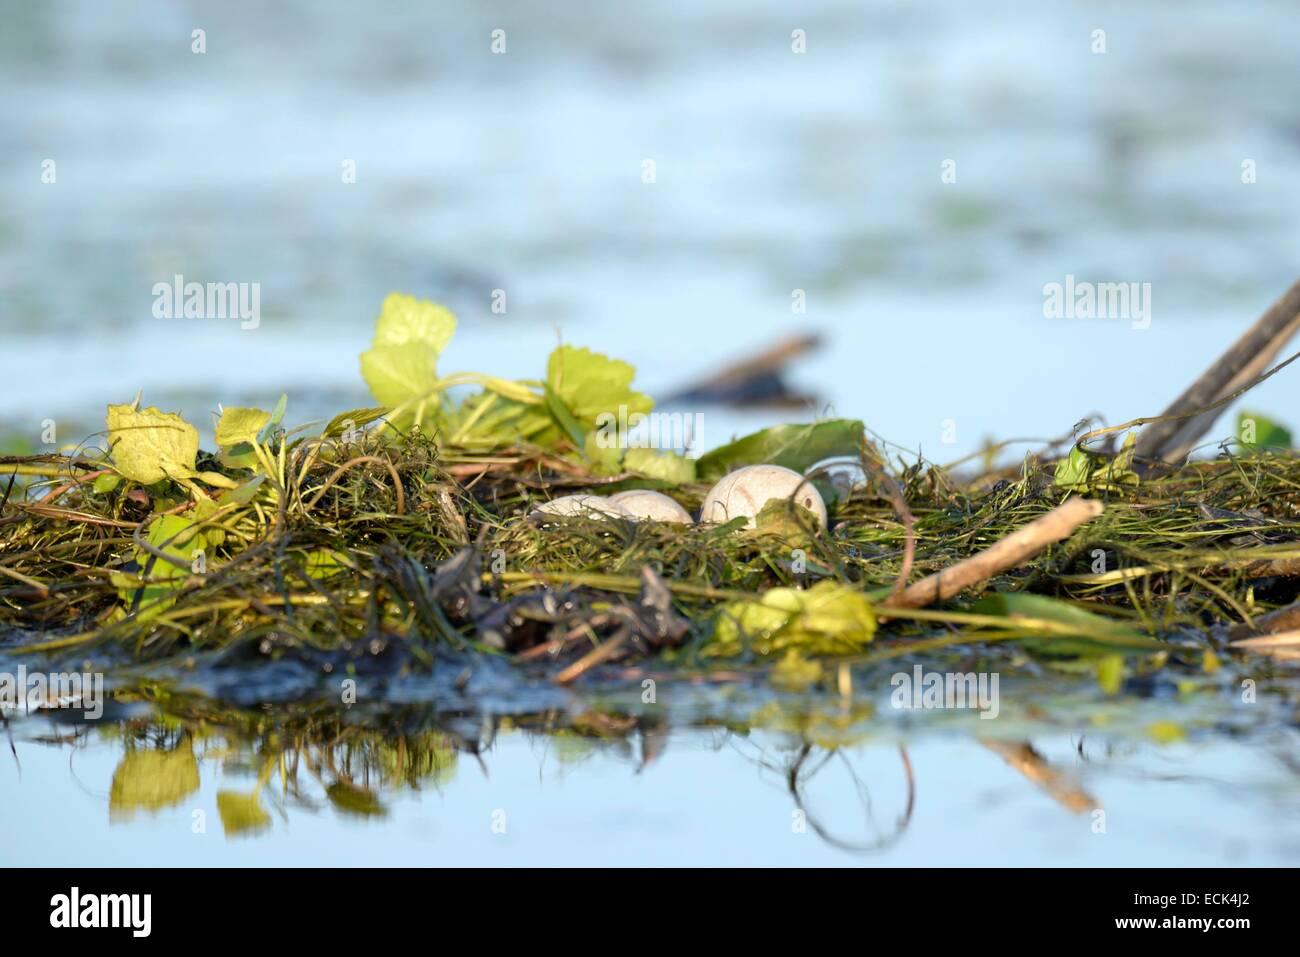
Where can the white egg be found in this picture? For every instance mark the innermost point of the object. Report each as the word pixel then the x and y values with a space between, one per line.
pixel 592 506
pixel 645 503
pixel 745 492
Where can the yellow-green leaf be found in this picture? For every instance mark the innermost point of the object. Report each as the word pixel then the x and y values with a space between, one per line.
pixel 827 619
pixel 668 466
pixel 148 446
pixel 174 535
pixel 240 425
pixel 397 374
pixel 592 386
pixel 402 363
pixel 217 480
pixel 405 320
pixel 1110 673
pixel 324 562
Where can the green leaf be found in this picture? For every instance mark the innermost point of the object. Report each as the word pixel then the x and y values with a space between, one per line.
pixel 240 425
pixel 666 466
pixel 1110 673
pixel 1056 626
pixel 405 320
pixel 240 456
pixel 217 480
pixel 355 419
pixel 106 483
pixel 602 459
pixel 324 562
pixel 560 412
pixel 175 535
pixel 243 494
pixel 148 446
pixel 1085 472
pixel 828 619
pixel 205 509
pixel 593 387
pixel 398 374
pixel 277 416
pixel 1072 471
pixel 402 363
pixel 796 447
pixel 1256 431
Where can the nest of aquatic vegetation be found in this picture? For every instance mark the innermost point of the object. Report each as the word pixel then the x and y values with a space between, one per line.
pixel 396 549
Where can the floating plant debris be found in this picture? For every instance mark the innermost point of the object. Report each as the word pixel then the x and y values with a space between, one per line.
pixel 503 524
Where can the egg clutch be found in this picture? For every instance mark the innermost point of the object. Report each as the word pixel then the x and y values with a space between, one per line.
pixel 742 493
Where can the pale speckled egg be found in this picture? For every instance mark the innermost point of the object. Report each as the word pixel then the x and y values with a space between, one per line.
pixel 646 503
pixel 745 492
pixel 595 506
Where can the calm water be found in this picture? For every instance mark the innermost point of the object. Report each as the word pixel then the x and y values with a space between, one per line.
pixel 774 172
pixel 1102 786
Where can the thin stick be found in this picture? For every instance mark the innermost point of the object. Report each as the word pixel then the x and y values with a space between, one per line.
pixel 41 587
pixel 909 535
pixel 1282 639
pixel 601 652
pixel 1009 552
pixel 1247 357
pixel 78 480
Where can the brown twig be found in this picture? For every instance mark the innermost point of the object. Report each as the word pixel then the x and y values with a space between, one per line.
pixel 909 536
pixel 602 652
pixel 1008 552
pixel 78 480
pixel 873 464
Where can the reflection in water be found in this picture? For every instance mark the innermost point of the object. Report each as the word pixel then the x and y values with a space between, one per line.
pixel 1060 787
pixel 309 763
pixel 831 783
pixel 809 762
pixel 1064 776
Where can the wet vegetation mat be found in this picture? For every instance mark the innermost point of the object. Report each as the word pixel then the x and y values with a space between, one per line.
pixel 432 549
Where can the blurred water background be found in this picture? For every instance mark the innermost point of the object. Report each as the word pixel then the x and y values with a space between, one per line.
pixel 522 171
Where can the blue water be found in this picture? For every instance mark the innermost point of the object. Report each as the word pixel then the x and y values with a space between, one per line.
pixel 710 797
